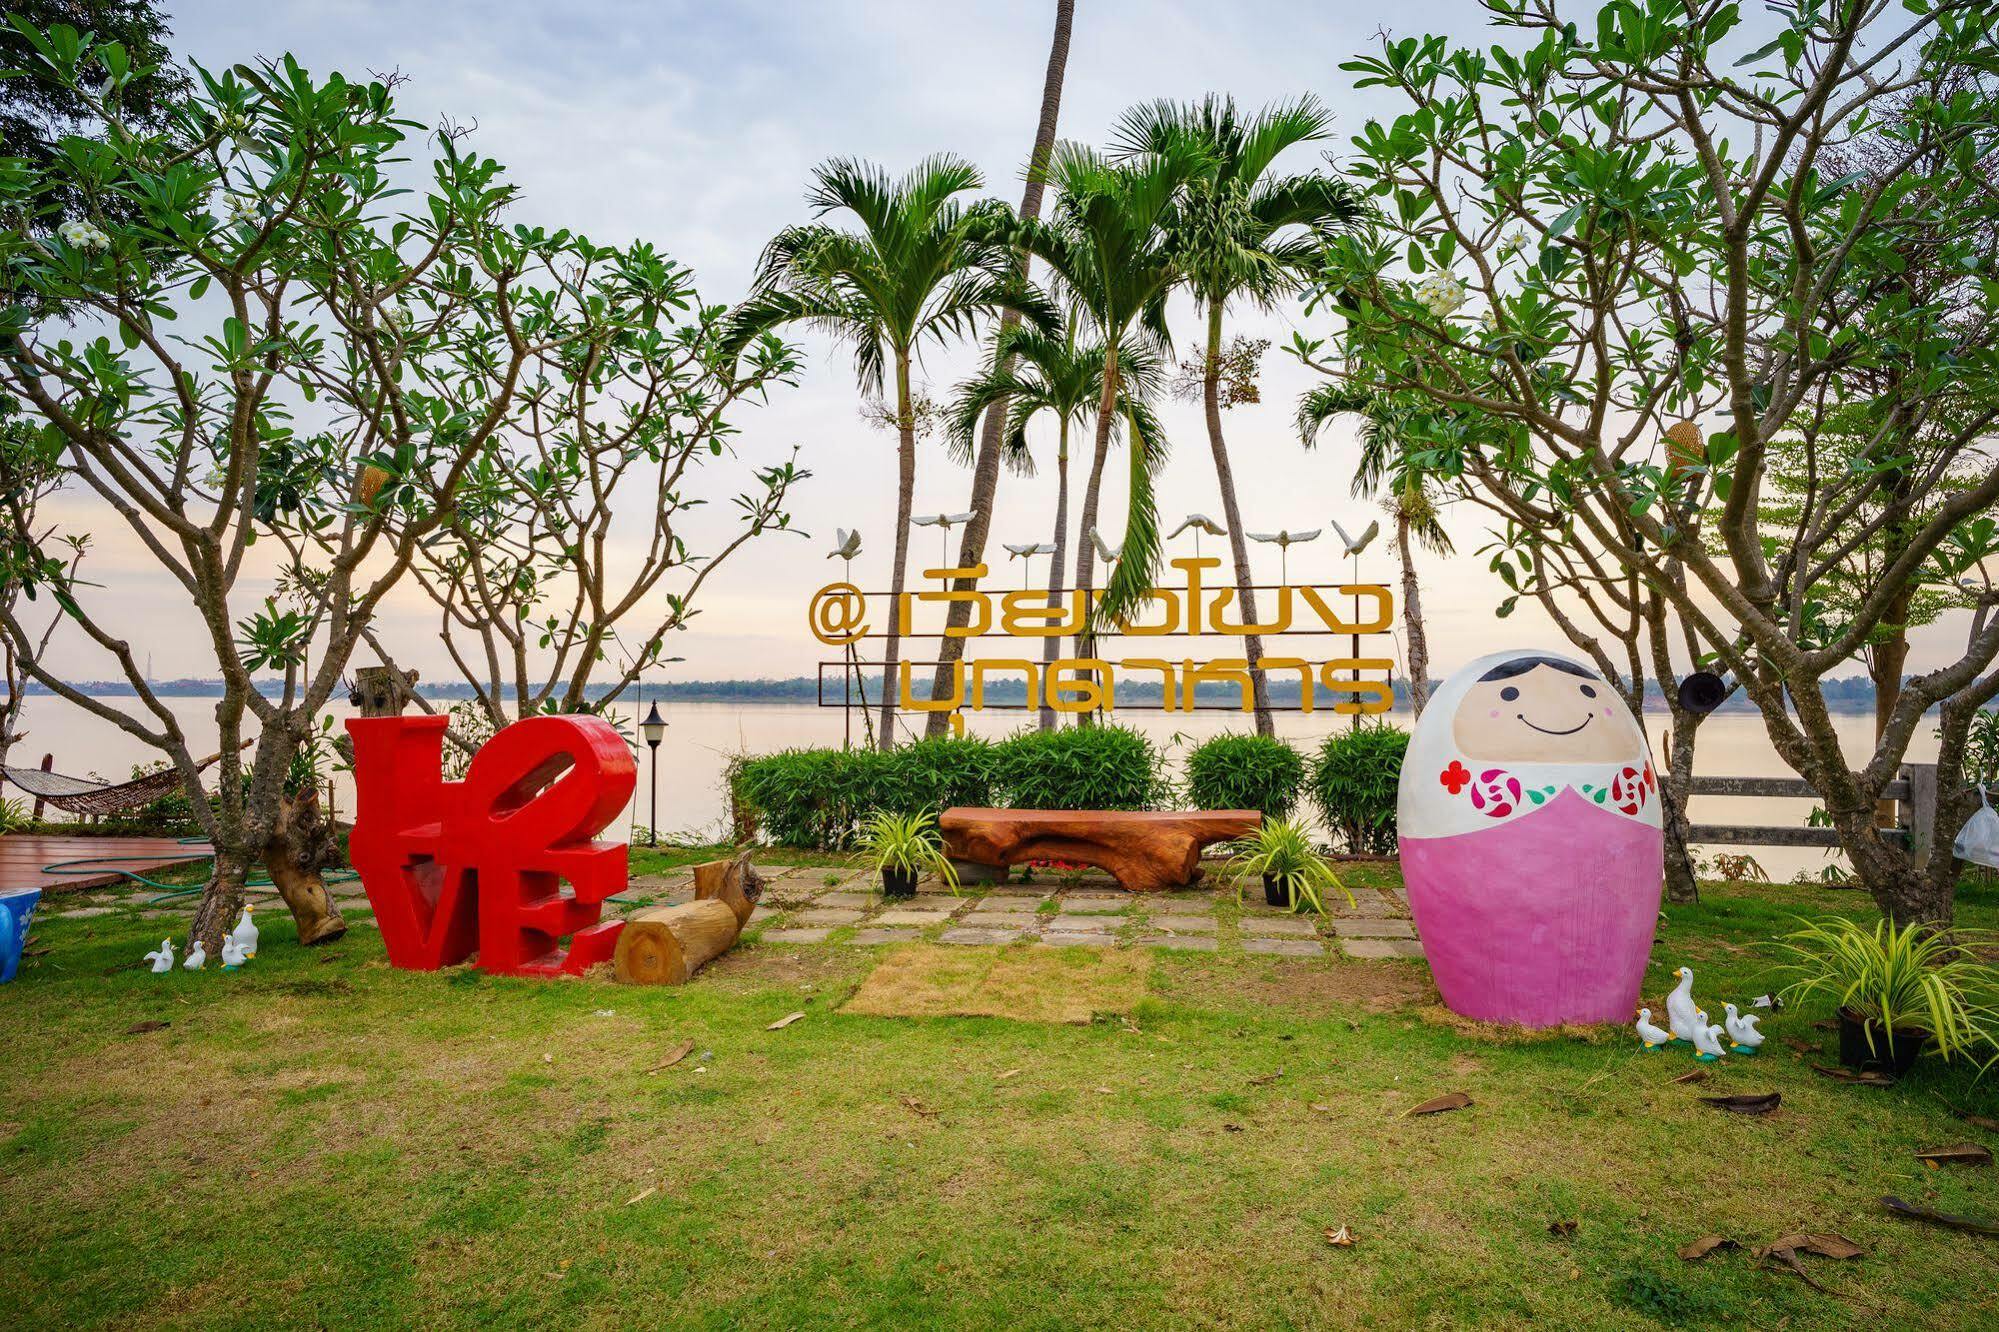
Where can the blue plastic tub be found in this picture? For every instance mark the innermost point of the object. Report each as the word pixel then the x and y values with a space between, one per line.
pixel 17 911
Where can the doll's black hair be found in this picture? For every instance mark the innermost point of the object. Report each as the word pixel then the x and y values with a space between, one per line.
pixel 1506 670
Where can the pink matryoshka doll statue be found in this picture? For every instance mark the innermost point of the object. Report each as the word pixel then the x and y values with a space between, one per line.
pixel 1531 842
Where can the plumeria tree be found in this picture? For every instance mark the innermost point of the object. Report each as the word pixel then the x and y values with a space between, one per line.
pixel 1598 230
pixel 565 563
pixel 278 365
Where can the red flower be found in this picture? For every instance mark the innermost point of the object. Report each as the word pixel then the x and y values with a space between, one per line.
pixel 1455 777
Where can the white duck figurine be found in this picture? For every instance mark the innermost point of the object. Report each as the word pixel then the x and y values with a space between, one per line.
pixel 1654 1037
pixel 1707 1040
pixel 162 957
pixel 1742 1031
pixel 197 956
pixel 233 955
pixel 245 933
pixel 1680 1009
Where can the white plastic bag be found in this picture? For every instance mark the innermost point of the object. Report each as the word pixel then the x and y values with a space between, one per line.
pixel 1978 840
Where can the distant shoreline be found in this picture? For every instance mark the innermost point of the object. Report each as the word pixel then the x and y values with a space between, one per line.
pixel 1849 696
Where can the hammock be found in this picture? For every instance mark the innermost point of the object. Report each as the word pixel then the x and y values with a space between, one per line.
pixel 79 795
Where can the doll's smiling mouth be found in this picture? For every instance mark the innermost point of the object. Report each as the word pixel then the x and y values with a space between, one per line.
pixel 1545 731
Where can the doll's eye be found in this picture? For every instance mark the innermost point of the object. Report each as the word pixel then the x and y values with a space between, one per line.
pixel 1588 692
pixel 1509 693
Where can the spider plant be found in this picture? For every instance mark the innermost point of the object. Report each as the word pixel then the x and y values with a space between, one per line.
pixel 1898 982
pixel 903 848
pixel 1293 873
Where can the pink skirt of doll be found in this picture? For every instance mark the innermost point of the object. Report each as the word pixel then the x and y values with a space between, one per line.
pixel 1542 920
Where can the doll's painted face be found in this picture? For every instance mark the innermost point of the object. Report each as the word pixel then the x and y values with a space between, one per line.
pixel 1545 710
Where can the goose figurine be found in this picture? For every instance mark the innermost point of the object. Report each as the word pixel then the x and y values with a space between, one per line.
pixel 1769 1001
pixel 197 956
pixel 233 955
pixel 1707 1040
pixel 162 957
pixel 1680 1010
pixel 1742 1031
pixel 1654 1037
pixel 245 933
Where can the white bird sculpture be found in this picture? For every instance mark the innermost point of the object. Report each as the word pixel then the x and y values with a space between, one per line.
pixel 1027 551
pixel 945 522
pixel 1199 522
pixel 1681 1012
pixel 233 955
pixel 245 933
pixel 1770 1001
pixel 162 957
pixel 1742 1031
pixel 1355 545
pixel 846 545
pixel 197 956
pixel 1707 1040
pixel 1653 1037
pixel 1284 540
pixel 1105 551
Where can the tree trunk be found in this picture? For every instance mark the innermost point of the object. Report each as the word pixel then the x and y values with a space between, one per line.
pixel 1884 668
pixel 1412 616
pixel 986 462
pixel 1252 646
pixel 1086 563
pixel 1681 885
pixel 1051 647
pixel 221 901
pixel 301 845
pixel 905 500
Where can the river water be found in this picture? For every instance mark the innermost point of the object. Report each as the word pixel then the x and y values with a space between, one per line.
pixel 703 737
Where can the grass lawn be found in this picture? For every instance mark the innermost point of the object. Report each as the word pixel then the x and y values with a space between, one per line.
pixel 322 1140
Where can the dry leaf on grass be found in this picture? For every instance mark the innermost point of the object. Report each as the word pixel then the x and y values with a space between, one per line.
pixel 1986 1122
pixel 1562 1229
pixel 1693 1075
pixel 1746 1103
pixel 1696 1250
pixel 1936 1218
pixel 1963 1153
pixel 1010 1073
pixel 1786 1248
pixel 1343 1238
pixel 785 1021
pixel 1438 1104
pixel 642 1195
pixel 918 1107
pixel 150 1024
pixel 1267 1077
pixel 1871 1077
pixel 674 1056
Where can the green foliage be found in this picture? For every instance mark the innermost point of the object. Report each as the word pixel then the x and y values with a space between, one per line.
pixel 1354 782
pixel 909 843
pixel 1082 767
pixel 817 798
pixel 1282 850
pixel 1907 977
pixel 1245 772
pixel 14 814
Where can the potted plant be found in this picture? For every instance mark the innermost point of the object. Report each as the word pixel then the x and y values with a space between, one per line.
pixel 903 847
pixel 1294 874
pixel 1897 990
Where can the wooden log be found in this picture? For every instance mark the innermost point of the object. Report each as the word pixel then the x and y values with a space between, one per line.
pixel 667 945
pixel 1146 851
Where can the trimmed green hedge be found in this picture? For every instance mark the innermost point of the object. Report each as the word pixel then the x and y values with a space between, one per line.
pixel 1245 772
pixel 1354 781
pixel 816 799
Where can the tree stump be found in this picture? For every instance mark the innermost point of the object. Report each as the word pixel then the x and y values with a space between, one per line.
pixel 667 945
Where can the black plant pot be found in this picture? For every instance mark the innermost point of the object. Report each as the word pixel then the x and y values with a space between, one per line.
pixel 899 882
pixel 1274 891
pixel 1855 1052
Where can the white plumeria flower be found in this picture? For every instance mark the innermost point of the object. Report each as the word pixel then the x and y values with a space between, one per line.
pixel 80 235
pixel 241 209
pixel 1442 294
pixel 1514 243
pixel 1489 321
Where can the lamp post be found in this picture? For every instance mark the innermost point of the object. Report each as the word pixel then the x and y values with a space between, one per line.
pixel 654 730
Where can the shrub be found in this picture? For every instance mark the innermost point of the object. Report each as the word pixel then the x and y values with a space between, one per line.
pixel 815 799
pixel 1354 780
pixel 1245 772
pixel 1082 767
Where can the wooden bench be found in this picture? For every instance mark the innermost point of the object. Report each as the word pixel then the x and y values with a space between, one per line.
pixel 1146 851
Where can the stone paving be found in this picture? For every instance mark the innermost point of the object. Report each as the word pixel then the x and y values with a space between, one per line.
pixel 844 907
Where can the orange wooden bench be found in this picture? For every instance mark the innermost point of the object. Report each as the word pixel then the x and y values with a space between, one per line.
pixel 1146 851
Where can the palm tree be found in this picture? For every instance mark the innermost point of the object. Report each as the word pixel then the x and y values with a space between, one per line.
pixel 986 461
pixel 1109 249
pixel 1387 465
pixel 1034 374
pixel 923 266
pixel 1244 235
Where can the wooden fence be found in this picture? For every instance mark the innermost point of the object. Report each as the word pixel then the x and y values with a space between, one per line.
pixel 1914 794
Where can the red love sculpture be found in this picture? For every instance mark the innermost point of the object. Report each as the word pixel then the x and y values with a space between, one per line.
pixel 450 867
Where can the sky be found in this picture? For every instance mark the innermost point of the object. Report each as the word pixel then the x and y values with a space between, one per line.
pixel 695 127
